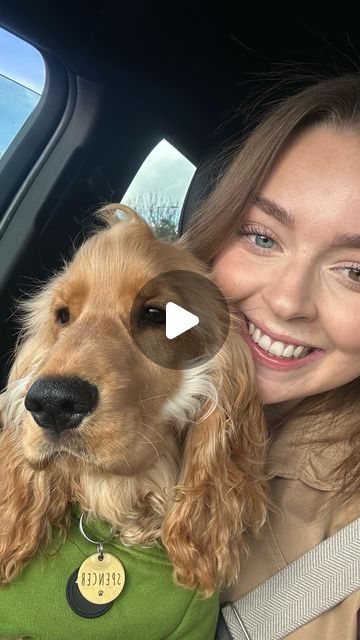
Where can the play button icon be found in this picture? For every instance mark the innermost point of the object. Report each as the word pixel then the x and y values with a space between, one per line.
pixel 178 320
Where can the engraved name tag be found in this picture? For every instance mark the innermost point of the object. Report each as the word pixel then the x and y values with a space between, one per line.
pixel 101 581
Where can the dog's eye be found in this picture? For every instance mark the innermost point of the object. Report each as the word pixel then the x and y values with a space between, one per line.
pixel 63 315
pixel 155 315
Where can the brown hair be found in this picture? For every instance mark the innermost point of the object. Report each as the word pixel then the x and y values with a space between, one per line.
pixel 332 102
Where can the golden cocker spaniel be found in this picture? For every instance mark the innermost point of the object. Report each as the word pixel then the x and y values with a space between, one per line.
pixel 158 452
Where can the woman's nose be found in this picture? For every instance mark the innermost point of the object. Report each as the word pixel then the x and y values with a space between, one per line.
pixel 292 292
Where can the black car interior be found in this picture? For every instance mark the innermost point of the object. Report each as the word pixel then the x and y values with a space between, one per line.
pixel 122 75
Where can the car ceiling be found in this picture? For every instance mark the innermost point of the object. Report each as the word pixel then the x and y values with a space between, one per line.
pixel 195 61
pixel 144 70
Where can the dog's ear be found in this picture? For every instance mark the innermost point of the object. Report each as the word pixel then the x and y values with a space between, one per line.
pixel 30 507
pixel 114 213
pixel 222 489
pixel 33 342
pixel 31 503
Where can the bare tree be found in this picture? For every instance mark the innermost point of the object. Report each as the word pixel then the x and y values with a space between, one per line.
pixel 161 212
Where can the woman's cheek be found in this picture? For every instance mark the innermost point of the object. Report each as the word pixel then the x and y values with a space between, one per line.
pixel 236 279
pixel 225 271
pixel 341 327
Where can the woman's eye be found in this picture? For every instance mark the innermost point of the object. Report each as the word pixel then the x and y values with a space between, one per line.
pixel 264 242
pixel 353 274
pixel 63 315
pixel 350 275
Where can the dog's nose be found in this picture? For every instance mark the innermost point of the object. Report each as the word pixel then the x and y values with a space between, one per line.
pixel 60 403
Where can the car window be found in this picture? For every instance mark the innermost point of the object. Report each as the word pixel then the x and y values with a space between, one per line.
pixel 22 79
pixel 158 190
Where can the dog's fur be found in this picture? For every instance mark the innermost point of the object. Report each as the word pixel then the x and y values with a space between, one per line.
pixel 167 453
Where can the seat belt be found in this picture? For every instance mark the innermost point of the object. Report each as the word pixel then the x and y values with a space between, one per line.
pixel 295 595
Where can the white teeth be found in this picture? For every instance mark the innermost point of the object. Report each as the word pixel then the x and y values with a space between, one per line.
pixel 298 351
pixel 265 342
pixel 289 351
pixel 277 348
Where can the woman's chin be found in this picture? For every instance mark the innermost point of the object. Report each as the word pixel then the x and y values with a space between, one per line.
pixel 272 393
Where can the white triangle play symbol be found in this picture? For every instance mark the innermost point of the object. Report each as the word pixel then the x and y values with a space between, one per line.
pixel 178 320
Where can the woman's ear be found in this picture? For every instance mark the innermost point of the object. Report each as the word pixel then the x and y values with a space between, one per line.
pixel 222 490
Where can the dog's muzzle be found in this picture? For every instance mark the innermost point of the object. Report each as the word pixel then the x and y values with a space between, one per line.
pixel 60 403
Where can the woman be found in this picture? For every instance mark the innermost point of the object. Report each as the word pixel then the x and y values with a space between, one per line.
pixel 281 233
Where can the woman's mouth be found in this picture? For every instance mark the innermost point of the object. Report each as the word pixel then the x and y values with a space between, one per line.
pixel 277 347
pixel 276 354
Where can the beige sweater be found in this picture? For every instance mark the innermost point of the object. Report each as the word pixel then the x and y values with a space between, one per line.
pixel 300 489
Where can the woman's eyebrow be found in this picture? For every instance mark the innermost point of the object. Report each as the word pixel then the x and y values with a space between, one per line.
pixel 275 210
pixel 279 213
pixel 347 240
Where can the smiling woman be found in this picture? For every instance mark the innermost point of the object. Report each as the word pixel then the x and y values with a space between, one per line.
pixel 303 277
pixel 281 234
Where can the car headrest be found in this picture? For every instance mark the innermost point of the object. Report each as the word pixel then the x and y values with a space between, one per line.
pixel 203 183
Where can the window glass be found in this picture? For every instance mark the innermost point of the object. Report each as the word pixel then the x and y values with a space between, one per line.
pixel 22 79
pixel 159 188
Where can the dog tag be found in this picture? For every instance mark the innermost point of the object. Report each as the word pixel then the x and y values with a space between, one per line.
pixel 101 581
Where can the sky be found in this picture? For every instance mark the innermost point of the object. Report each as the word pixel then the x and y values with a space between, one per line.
pixel 16 104
pixel 165 171
pixel 22 77
pixel 21 62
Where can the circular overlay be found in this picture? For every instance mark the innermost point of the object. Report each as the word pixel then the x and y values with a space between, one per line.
pixel 168 305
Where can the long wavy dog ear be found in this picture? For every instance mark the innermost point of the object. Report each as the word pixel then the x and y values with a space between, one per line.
pixel 222 489
pixel 31 503
pixel 29 508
